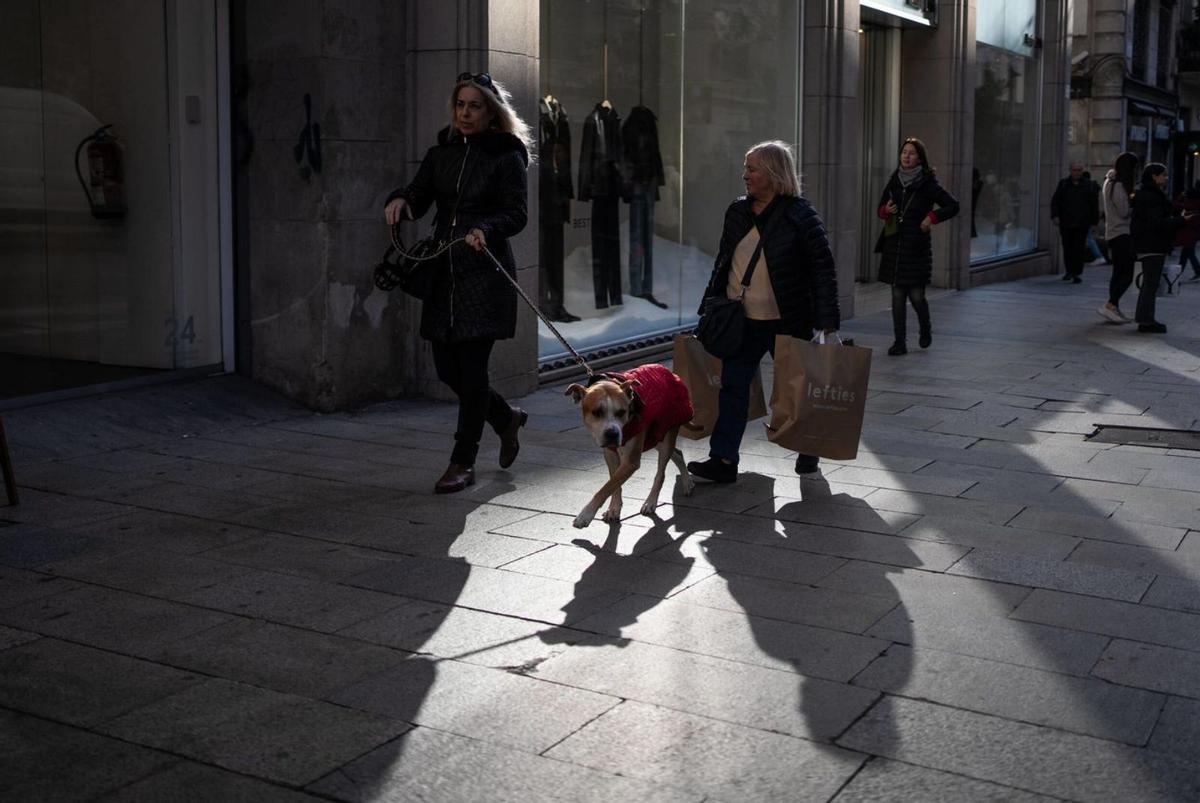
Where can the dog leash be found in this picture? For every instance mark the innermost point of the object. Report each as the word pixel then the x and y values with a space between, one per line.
pixel 578 357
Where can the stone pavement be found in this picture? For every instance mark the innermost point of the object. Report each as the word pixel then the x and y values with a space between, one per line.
pixel 209 594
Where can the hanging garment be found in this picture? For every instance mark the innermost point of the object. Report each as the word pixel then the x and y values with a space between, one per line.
pixel 643 171
pixel 606 250
pixel 600 154
pixel 555 191
pixel 639 145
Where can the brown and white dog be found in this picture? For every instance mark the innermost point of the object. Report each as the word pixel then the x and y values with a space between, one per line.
pixel 630 413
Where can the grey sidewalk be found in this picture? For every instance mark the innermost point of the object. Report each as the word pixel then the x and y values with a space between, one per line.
pixel 209 594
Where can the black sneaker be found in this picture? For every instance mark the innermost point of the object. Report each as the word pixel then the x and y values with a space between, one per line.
pixel 1076 280
pixel 926 340
pixel 807 464
pixel 898 348
pixel 1155 328
pixel 714 469
pixel 1066 277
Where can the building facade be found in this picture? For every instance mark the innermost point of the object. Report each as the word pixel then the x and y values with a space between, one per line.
pixel 645 110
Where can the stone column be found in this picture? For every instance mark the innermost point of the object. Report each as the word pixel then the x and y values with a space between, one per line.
pixel 831 132
pixel 1056 92
pixel 378 73
pixel 937 105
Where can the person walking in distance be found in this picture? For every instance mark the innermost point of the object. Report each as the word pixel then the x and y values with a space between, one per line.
pixel 476 175
pixel 1116 195
pixel 1189 201
pixel 912 203
pixel 1074 208
pixel 1154 224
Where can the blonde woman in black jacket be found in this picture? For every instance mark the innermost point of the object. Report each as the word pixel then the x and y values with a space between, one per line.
pixel 476 175
pixel 793 290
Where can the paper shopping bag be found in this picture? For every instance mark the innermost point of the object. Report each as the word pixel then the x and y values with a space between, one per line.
pixel 819 397
pixel 701 372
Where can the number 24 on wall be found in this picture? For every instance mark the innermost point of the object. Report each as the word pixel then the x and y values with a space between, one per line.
pixel 175 334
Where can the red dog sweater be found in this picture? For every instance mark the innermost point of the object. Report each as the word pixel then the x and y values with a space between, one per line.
pixel 661 403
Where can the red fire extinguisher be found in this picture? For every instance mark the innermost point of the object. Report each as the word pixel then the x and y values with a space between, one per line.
pixel 106 195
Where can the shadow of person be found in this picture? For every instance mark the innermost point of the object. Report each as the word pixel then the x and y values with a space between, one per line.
pixel 799 568
pixel 647 581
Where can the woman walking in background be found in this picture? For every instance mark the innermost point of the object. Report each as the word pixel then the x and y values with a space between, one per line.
pixel 476 174
pixel 913 202
pixel 1116 194
pixel 1189 201
pixel 1153 225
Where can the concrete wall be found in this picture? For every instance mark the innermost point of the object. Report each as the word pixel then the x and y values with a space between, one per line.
pixel 831 146
pixel 320 331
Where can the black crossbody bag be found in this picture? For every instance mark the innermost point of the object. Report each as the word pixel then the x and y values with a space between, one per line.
pixel 723 322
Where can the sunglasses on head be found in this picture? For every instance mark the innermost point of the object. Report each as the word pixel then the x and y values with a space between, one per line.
pixel 481 78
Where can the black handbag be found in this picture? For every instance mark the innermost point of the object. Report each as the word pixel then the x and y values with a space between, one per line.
pixel 723 321
pixel 414 270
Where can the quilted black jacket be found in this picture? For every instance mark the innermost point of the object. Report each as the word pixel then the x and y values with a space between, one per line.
pixel 1153 221
pixel 487 176
pixel 798 258
pixel 600 154
pixel 908 255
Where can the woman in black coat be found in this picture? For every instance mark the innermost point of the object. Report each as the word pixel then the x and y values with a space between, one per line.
pixel 1153 224
pixel 793 290
pixel 908 209
pixel 476 175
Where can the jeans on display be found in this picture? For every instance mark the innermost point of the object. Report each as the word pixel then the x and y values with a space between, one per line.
pixel 901 295
pixel 641 241
pixel 550 270
pixel 464 368
pixel 606 250
pixel 1188 254
pixel 1152 268
pixel 1121 250
pixel 733 401
pixel 1074 246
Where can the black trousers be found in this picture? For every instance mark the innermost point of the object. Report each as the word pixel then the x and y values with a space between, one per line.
pixel 1074 246
pixel 464 368
pixel 606 250
pixel 901 295
pixel 550 267
pixel 1152 269
pixel 1121 250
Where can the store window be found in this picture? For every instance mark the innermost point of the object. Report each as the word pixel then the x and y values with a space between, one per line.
pixel 109 233
pixel 647 110
pixel 1007 102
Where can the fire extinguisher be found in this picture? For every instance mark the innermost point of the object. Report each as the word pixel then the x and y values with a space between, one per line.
pixel 106 175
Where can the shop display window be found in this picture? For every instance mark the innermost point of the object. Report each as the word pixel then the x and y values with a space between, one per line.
pixel 1007 102
pixel 646 111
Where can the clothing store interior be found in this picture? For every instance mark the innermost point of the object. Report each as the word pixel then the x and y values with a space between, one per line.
pixel 642 132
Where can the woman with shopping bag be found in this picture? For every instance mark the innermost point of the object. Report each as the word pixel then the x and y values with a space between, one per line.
pixel 775 258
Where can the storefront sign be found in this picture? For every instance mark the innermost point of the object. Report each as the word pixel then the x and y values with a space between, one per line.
pixel 1162 132
pixel 1138 133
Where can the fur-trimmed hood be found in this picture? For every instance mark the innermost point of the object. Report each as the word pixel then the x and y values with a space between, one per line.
pixel 493 143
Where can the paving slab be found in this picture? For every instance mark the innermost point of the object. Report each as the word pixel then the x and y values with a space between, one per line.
pixel 1180 563
pixel 776 599
pixel 1039 697
pixel 654 743
pixel 924 590
pixel 263 733
pixel 1149 666
pixel 166 531
pixel 436 767
pixel 191 782
pixel 1112 618
pixel 758 697
pixel 296 601
pixel 1052 546
pixel 81 685
pixel 496 706
pixel 149 571
pixel 112 620
pixel 769 642
pixel 1078 578
pixel 992 638
pixel 281 658
pixel 1100 528
pixel 48 761
pixel 1176 593
pixel 18 586
pixel 593 568
pixel 883 780
pixel 1029 757
pixel 1178 729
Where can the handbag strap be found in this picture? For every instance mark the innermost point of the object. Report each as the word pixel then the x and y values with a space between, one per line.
pixel 762 238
